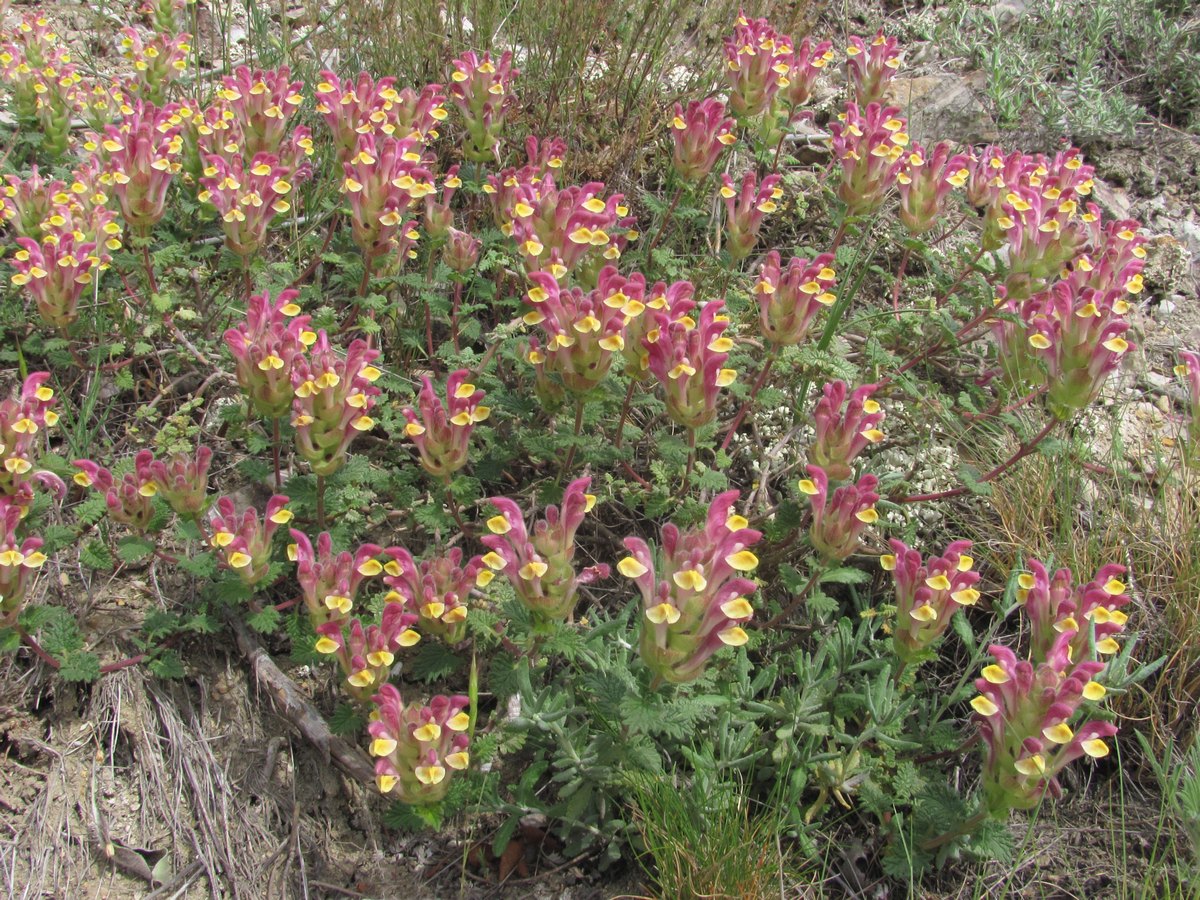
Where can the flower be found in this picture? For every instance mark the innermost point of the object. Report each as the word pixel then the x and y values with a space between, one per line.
pixel 442 431
pixel 333 398
pixel 243 539
pixel 1090 614
pixel 925 182
pixel 436 590
pixel 540 566
pixel 461 251
pixel 156 62
pixel 383 179
pixel 20 558
pixel 24 422
pixel 141 155
pixel 129 501
pixel 364 106
pixel 694 593
pixel 928 593
pixel 247 198
pixel 329 582
pixel 417 748
pixel 840 520
pixel 745 210
pixel 544 156
pixel 757 62
pixel 699 135
pixel 688 359
pixel 1188 369
pixel 843 433
pixel 789 299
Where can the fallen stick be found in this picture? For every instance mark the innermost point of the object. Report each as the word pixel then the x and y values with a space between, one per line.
pixel 293 706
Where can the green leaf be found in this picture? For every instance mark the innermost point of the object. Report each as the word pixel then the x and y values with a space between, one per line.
pixel 80 666
pixel 167 665
pixel 132 549
pixel 970 478
pixel 962 627
pixel 433 661
pixel 264 621
pixel 95 555
pixel 10 641
pixel 202 566
pixel 404 817
pixel 845 575
pixel 347 721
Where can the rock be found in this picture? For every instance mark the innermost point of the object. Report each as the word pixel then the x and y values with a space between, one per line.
pixel 1113 200
pixel 1008 11
pixel 943 108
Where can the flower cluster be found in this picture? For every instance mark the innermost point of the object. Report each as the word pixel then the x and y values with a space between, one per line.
pixel 435 590
pixel 129 501
pixel 329 581
pixel 870 147
pixel 364 106
pixel 789 299
pixel 261 105
pixel 838 521
pixel 543 157
pixel 556 230
pixel 20 558
pixel 757 62
pixel 165 15
pixel 333 399
pixel 745 210
pixel 869 67
pixel 439 218
pixel 182 481
pixel 540 566
pixel 844 429
pixel 22 420
pixel 808 60
pixel 688 359
pixel 156 62
pixel 247 198
pixel 694 594
pixel 382 182
pixel 1025 710
pixel 1091 612
pixel 927 594
pixel 366 653
pixel 141 155
pixel 1066 340
pixel 699 135
pixel 265 348
pixel 442 431
pixel 43 82
pixel 416 746
pixel 925 181
pixel 583 331
pixel 482 91
pixel 244 539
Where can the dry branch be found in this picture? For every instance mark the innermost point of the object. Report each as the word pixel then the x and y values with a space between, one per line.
pixel 293 706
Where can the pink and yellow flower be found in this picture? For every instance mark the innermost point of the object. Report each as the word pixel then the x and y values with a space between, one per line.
pixel 694 591
pixel 333 398
pixel 265 348
pixel 540 566
pixel 838 521
pixel 746 208
pixel 20 559
pixel 928 594
pixel 869 67
pixel 482 91
pixel 182 481
pixel 418 748
pixel 435 590
pixel 699 135
pixel 789 299
pixel 242 539
pixel 366 653
pixel 688 359
pixel 844 428
pixel 329 581
pixel 442 431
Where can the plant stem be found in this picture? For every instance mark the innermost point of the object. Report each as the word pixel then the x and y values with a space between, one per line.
pixel 275 441
pixel 737 420
pixel 247 284
pixel 899 280
pixel 368 265
pixel 578 429
pixel 321 502
pixel 624 412
pixel 454 512
pixel 797 600
pixel 1023 451
pixel 458 289
pixel 691 461
pixel 150 280
pixel 666 221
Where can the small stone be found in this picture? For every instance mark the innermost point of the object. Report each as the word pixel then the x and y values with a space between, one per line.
pixel 943 107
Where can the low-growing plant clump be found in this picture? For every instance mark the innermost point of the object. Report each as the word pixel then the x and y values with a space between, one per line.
pixel 583 502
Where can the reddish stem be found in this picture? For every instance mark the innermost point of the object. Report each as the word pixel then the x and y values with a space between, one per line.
pixel 737 420
pixel 1023 451
pixel 665 222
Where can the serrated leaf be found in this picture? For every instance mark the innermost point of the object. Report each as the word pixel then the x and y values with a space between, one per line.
pixel 970 478
pixel 133 548
pixel 10 641
pixel 168 665
pixel 346 721
pixel 962 627
pixel 265 621
pixel 95 555
pixel 845 575
pixel 432 661
pixel 80 666
pixel 202 566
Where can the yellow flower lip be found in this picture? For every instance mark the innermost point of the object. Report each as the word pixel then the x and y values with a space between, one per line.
pixel 690 580
pixel 1058 734
pixel 737 608
pixel 498 525
pixel 938 582
pixel 994 674
pixel 984 706
pixel 733 637
pixel 887 562
pixel 742 561
pixel 631 568
pixel 663 613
